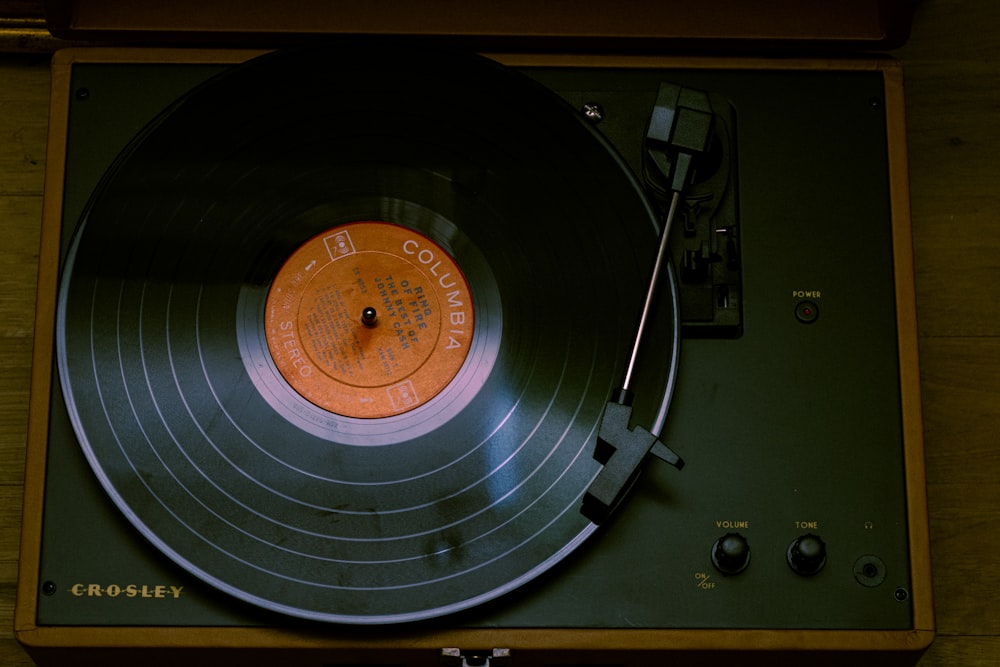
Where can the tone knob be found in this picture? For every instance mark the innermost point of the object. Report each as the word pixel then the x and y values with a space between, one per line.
pixel 731 553
pixel 807 554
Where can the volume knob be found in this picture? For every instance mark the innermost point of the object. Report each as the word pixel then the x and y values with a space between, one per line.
pixel 731 553
pixel 807 554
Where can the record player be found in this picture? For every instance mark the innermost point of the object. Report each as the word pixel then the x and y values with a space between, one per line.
pixel 387 350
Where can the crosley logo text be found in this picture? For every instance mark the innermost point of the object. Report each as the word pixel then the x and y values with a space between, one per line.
pixel 128 591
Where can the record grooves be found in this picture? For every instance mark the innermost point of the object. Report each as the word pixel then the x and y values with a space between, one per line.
pixel 193 420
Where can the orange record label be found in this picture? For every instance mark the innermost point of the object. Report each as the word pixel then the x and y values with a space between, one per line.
pixel 369 319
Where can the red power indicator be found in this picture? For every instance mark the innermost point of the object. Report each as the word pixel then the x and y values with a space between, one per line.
pixel 806 312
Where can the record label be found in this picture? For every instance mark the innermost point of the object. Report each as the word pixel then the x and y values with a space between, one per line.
pixel 369 319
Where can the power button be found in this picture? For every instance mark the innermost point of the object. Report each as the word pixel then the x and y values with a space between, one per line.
pixel 806 312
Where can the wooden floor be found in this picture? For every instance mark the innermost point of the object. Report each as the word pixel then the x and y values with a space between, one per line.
pixel 952 66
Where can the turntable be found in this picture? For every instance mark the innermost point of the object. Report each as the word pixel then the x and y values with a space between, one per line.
pixel 380 351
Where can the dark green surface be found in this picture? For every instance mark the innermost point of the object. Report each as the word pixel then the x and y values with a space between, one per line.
pixel 789 423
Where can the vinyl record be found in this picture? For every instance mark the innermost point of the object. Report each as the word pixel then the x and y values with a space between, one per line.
pixel 237 408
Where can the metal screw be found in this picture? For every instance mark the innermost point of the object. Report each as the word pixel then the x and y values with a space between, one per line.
pixel 594 112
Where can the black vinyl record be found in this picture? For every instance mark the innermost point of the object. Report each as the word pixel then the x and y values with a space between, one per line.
pixel 170 352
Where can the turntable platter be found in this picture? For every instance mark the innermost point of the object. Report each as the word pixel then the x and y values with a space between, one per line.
pixel 416 471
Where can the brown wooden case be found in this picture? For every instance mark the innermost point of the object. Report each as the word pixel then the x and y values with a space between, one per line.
pixel 557 34
pixel 641 25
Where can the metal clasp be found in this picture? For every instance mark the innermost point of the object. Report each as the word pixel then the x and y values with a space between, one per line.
pixel 455 657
